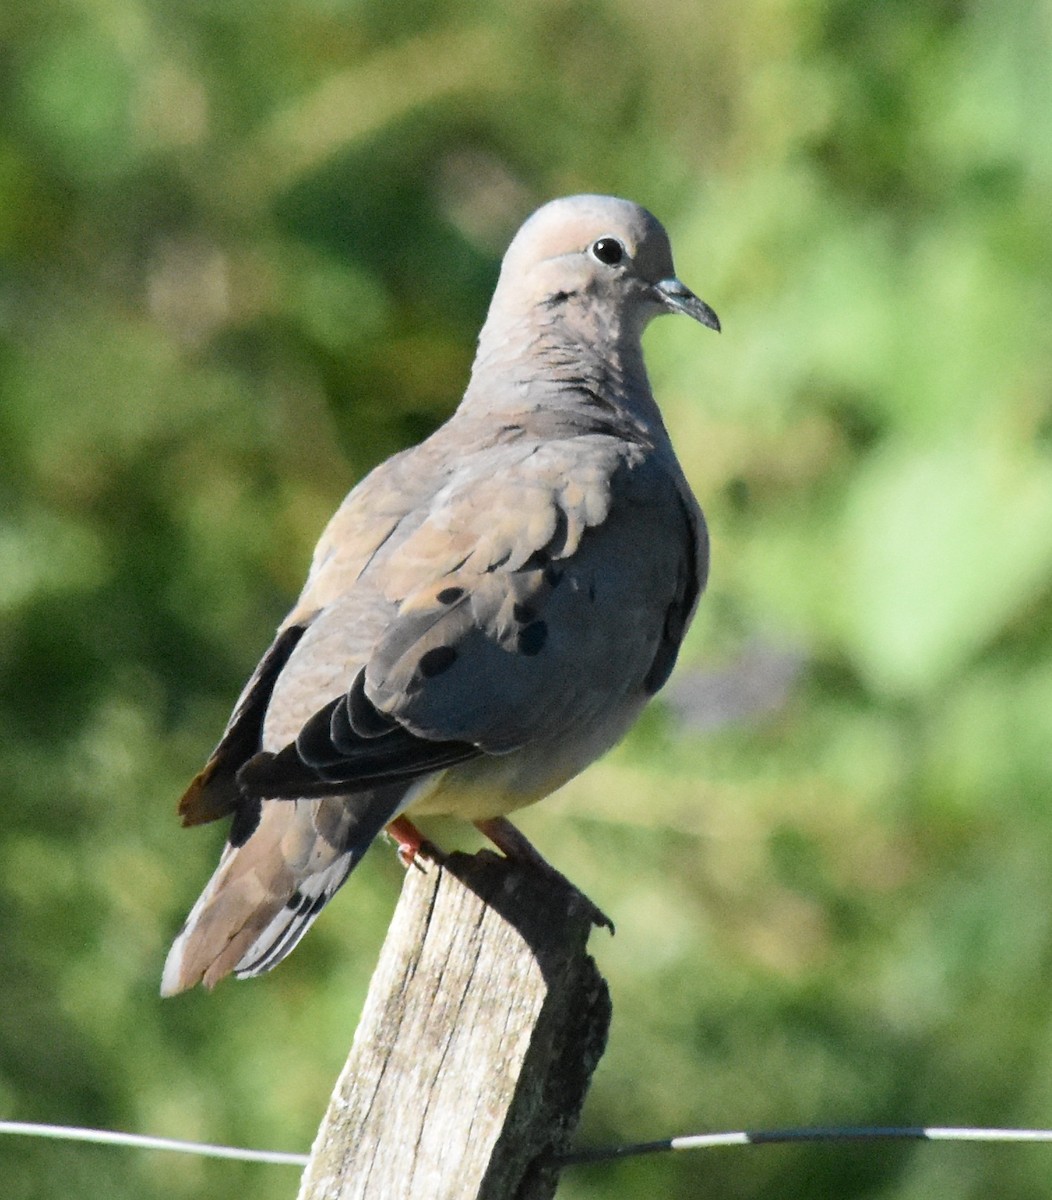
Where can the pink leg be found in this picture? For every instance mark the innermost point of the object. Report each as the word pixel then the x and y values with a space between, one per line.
pixel 514 844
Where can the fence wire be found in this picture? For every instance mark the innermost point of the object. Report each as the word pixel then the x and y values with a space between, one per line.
pixel 694 1141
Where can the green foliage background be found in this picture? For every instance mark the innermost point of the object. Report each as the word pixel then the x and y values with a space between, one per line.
pixel 244 252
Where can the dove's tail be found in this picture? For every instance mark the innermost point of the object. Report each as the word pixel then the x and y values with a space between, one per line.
pixel 267 890
pixel 246 924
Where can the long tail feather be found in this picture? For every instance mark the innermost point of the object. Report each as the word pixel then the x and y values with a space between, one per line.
pixel 267 891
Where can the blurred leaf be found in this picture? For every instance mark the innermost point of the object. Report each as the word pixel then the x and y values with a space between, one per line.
pixel 941 548
pixel 77 92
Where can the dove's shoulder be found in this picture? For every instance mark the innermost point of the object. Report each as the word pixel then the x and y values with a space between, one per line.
pixel 378 508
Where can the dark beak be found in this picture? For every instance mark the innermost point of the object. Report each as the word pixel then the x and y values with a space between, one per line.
pixel 677 297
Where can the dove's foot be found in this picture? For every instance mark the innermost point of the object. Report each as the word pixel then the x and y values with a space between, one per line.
pixel 515 844
pixel 411 842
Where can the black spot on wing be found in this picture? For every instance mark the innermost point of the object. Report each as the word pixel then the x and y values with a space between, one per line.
pixel 434 662
pixel 450 595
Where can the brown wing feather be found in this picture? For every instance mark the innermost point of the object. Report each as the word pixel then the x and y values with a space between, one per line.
pixel 214 792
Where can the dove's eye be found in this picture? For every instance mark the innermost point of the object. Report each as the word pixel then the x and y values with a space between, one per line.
pixel 608 250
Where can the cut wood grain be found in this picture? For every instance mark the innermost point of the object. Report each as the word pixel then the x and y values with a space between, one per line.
pixel 484 1021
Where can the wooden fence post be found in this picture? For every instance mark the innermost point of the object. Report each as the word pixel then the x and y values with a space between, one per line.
pixel 484 1021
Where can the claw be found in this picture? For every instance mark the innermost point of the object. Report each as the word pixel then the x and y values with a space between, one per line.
pixel 408 840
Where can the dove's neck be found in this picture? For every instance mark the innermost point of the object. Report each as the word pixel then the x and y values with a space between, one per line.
pixel 588 373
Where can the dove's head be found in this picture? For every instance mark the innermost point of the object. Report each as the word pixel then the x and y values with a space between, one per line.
pixel 608 261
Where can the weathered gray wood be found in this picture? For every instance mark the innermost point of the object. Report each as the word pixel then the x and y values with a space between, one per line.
pixel 484 1021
